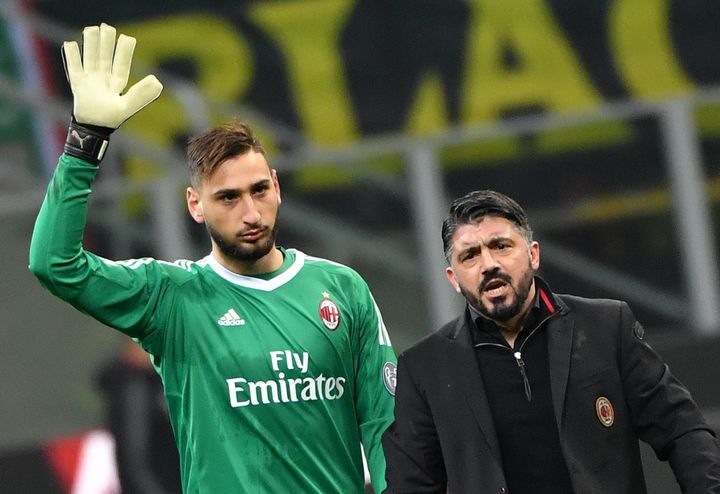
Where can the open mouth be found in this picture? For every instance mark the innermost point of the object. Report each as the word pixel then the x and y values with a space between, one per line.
pixel 495 288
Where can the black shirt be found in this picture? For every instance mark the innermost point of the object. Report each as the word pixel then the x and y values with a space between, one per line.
pixel 517 385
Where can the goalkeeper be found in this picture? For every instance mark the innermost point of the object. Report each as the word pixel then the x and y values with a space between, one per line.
pixel 276 365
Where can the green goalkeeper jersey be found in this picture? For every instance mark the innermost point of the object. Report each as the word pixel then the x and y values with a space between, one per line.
pixel 272 382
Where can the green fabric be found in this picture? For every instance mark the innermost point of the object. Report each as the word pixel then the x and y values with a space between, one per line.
pixel 263 396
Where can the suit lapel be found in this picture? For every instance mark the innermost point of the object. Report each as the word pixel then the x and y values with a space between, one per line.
pixel 464 369
pixel 560 337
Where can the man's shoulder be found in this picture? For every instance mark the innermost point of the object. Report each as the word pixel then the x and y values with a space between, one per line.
pixel 321 262
pixel 180 271
pixel 579 303
pixel 430 343
pixel 593 314
pixel 328 267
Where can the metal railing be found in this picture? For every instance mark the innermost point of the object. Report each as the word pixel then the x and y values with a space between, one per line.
pixel 425 192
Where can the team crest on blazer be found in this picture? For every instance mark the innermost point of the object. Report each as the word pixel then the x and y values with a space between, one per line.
pixel 605 411
pixel 329 313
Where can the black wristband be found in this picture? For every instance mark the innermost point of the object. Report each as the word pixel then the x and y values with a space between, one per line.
pixel 87 142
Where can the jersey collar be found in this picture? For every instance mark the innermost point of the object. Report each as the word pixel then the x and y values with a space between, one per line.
pixel 293 263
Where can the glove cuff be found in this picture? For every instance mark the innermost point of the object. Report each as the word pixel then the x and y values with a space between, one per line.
pixel 87 142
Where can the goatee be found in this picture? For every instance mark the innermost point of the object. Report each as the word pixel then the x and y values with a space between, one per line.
pixel 503 311
pixel 236 250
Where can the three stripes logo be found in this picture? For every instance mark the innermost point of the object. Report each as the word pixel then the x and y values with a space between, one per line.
pixel 231 318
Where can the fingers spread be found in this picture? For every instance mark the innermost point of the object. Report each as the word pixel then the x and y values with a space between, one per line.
pixel 91 39
pixel 142 93
pixel 106 48
pixel 71 60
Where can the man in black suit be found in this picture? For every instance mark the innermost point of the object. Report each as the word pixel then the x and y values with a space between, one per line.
pixel 533 392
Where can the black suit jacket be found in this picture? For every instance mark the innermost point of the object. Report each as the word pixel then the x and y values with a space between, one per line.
pixel 443 437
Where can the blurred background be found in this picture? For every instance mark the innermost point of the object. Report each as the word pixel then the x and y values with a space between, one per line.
pixel 602 118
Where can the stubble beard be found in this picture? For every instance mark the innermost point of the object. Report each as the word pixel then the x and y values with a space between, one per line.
pixel 503 310
pixel 234 248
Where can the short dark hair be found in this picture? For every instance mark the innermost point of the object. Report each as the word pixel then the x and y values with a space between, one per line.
pixel 207 151
pixel 474 206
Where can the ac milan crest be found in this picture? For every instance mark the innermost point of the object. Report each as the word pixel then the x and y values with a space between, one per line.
pixel 329 314
pixel 605 411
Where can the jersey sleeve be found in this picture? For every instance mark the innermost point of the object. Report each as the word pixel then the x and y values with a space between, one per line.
pixel 122 295
pixel 375 376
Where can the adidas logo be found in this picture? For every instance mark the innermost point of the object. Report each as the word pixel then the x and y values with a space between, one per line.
pixel 231 318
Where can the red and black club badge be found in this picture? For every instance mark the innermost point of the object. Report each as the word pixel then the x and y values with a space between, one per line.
pixel 605 411
pixel 329 312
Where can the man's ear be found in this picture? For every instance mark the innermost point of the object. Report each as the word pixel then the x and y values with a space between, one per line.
pixel 451 278
pixel 276 185
pixel 535 255
pixel 194 205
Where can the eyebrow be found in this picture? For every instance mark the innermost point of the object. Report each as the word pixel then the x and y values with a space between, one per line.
pixel 500 238
pixel 468 249
pixel 477 246
pixel 265 182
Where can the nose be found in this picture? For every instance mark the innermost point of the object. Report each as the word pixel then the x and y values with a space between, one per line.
pixel 489 263
pixel 251 214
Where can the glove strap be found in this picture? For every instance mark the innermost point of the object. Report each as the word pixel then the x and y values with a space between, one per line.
pixel 87 142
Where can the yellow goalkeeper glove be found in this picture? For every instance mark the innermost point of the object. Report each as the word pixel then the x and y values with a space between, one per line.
pixel 97 82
